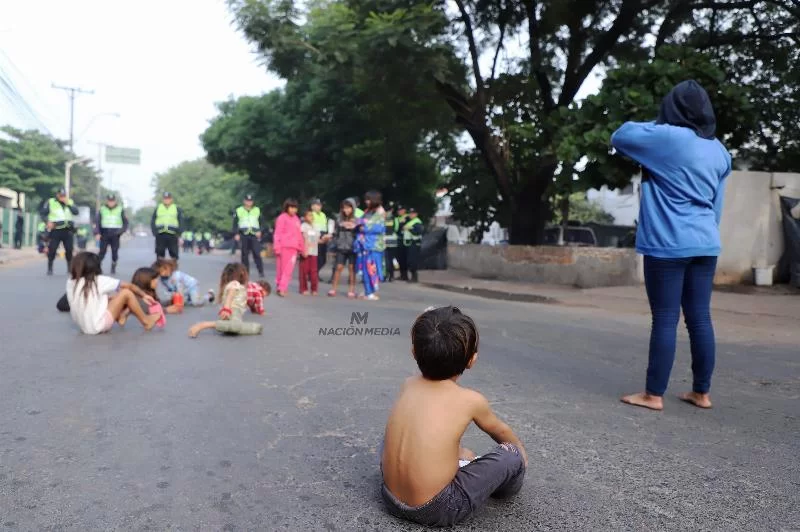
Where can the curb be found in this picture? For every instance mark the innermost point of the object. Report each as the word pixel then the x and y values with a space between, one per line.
pixel 493 294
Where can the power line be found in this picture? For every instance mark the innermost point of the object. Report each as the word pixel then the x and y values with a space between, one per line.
pixel 19 104
pixel 41 105
pixel 72 91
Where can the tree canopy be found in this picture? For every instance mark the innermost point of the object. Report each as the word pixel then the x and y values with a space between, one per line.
pixel 207 194
pixel 368 83
pixel 33 163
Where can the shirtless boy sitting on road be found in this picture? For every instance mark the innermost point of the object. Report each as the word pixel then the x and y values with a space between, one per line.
pixel 422 481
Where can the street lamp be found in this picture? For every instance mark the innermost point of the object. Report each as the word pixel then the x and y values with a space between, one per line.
pixel 68 168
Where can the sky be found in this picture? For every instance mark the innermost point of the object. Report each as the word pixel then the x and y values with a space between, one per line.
pixel 160 64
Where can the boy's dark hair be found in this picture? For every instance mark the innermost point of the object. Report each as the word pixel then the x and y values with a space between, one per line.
pixel 266 286
pixel 444 341
pixel 375 199
pixel 289 202
pixel 85 265
pixel 163 261
pixel 233 271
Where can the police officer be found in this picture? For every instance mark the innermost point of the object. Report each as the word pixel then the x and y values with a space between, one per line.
pixel 82 235
pixel 320 223
pixel 412 240
pixel 390 239
pixel 207 236
pixel 247 231
pixel 111 223
pixel 402 253
pixel 41 236
pixel 58 212
pixel 187 237
pixel 19 230
pixel 166 225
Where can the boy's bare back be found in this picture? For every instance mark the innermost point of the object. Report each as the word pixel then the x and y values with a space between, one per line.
pixel 423 435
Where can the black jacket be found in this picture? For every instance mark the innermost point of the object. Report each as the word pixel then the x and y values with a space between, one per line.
pixel 44 211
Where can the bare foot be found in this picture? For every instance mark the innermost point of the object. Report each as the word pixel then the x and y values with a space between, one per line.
pixel 195 330
pixel 700 400
pixel 466 454
pixel 645 400
pixel 123 317
pixel 150 321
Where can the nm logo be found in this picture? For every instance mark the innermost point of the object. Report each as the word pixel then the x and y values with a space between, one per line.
pixel 357 318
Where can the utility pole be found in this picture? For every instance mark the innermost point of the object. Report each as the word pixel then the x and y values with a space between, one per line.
pixel 72 91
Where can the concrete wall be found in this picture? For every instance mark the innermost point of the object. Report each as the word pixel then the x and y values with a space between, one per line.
pixel 751 227
pixel 581 267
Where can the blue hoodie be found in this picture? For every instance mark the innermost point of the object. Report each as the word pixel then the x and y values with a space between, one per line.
pixel 684 172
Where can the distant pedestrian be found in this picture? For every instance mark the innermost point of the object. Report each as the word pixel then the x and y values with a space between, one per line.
pixel 167 223
pixel 19 230
pixel 390 241
pixel 370 240
pixel 684 169
pixel 412 242
pixel 309 273
pixel 288 243
pixel 402 253
pixel 320 223
pixel 344 238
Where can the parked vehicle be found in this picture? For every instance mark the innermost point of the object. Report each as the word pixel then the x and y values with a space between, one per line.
pixel 574 236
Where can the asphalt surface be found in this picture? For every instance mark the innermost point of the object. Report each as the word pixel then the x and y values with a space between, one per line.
pixel 154 431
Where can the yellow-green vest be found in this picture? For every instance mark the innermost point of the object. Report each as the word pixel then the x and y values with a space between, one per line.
pixel 207 237
pixel 111 218
pixel 189 236
pixel 248 220
pixel 408 237
pixel 320 221
pixel 390 231
pixel 167 218
pixel 42 227
pixel 59 214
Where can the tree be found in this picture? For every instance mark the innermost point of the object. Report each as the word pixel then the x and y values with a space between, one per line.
pixel 142 216
pixel 207 194
pixel 582 210
pixel 337 129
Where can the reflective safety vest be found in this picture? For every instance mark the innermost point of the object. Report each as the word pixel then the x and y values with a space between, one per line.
pixel 319 221
pixel 42 227
pixel 82 232
pixel 207 236
pixel 359 213
pixel 248 220
pixel 189 236
pixel 111 218
pixel 59 214
pixel 167 219
pixel 410 238
pixel 390 233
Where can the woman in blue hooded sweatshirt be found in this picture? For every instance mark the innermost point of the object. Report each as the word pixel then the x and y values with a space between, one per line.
pixel 684 168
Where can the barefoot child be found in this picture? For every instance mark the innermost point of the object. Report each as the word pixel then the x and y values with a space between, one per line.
pixel 422 481
pixel 97 301
pixel 344 236
pixel 233 287
pixel 256 293
pixel 174 281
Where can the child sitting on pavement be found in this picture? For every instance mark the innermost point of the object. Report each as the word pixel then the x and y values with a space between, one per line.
pixel 422 480
pixel 233 290
pixel 172 282
pixel 257 291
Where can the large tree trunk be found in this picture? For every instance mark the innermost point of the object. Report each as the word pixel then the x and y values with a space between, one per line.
pixel 532 210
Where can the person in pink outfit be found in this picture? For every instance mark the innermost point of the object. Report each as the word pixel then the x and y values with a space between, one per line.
pixel 287 243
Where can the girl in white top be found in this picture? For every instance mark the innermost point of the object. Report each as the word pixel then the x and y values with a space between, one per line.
pixel 97 301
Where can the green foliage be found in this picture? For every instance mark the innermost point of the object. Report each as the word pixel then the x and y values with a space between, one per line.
pixel 33 163
pixel 582 210
pixel 142 216
pixel 206 193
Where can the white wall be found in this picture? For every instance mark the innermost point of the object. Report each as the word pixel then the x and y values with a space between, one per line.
pixel 622 204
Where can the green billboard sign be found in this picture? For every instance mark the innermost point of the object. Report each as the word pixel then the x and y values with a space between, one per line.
pixel 123 155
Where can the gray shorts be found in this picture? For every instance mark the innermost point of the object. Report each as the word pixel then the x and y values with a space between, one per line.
pixel 498 473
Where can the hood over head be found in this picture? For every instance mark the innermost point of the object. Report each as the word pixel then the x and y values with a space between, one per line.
pixel 688 105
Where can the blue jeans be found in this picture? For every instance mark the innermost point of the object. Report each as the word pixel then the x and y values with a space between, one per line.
pixel 672 284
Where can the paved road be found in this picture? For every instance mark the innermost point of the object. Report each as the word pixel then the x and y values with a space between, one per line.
pixel 137 430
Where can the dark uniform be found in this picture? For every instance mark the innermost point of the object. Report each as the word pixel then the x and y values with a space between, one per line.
pixel 247 224
pixel 412 240
pixel 111 224
pixel 19 229
pixel 390 239
pixel 166 225
pixel 402 252
pixel 58 212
